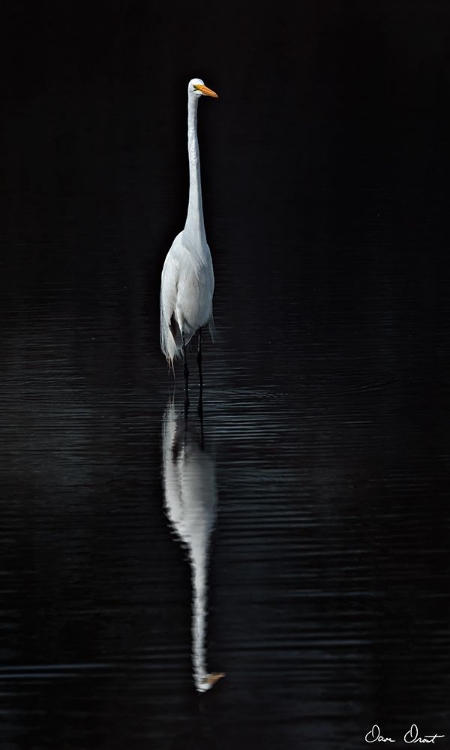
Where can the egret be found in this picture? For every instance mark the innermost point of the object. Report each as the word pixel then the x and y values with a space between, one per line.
pixel 187 279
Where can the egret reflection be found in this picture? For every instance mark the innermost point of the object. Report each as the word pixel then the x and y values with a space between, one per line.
pixel 190 498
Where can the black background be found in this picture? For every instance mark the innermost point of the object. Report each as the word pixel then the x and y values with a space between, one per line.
pixel 325 172
pixel 333 114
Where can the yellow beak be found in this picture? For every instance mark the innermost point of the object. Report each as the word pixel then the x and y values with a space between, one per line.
pixel 206 91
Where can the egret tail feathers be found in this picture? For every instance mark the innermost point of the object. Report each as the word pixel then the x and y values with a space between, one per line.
pixel 171 340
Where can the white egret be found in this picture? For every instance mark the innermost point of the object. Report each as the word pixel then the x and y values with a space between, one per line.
pixel 187 279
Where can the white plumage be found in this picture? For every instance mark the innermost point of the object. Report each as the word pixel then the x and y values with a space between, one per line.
pixel 187 280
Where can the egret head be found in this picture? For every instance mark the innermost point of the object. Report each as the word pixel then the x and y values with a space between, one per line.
pixel 197 88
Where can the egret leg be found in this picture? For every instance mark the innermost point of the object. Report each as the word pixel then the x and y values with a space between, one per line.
pixel 186 376
pixel 200 373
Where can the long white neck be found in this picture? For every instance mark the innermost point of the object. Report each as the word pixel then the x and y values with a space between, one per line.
pixel 194 221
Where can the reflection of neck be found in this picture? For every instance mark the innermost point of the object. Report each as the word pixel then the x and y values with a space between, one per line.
pixel 194 221
pixel 199 562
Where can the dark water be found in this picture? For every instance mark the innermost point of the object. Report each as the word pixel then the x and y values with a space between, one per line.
pixel 316 507
pixel 325 428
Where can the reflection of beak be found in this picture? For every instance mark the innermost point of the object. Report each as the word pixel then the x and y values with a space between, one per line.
pixel 206 91
pixel 212 678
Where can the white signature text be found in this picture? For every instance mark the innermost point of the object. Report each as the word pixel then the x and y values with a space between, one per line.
pixel 410 737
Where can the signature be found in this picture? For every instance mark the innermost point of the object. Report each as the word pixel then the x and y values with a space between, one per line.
pixel 410 737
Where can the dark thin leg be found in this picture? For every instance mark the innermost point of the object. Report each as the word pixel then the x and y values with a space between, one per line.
pixel 186 377
pixel 200 373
